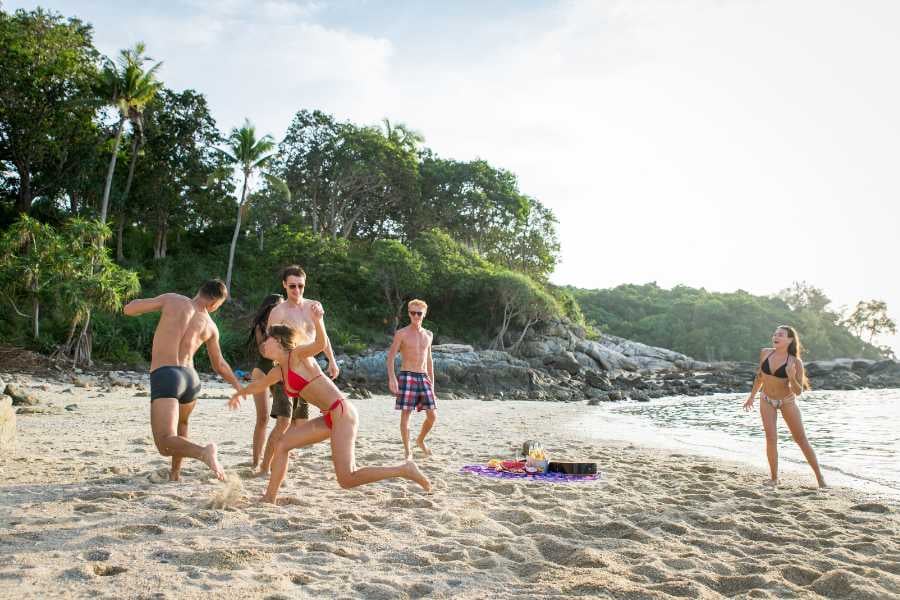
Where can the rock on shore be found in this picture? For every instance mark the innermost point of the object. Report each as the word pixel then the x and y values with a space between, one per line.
pixel 558 362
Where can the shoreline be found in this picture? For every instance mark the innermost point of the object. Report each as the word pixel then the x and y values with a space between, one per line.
pixel 80 513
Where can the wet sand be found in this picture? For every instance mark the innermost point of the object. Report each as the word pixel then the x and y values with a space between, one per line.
pixel 86 511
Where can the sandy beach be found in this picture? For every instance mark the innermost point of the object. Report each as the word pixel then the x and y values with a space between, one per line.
pixel 86 512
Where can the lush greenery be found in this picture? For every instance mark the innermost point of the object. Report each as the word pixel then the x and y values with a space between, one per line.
pixel 110 177
pixel 730 326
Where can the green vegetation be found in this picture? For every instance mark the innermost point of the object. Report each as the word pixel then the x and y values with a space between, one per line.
pixel 372 215
pixel 724 326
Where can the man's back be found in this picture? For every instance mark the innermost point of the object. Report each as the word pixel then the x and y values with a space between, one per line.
pixel 182 329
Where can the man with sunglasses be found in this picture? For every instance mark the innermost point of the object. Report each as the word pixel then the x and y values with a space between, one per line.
pixel 184 325
pixel 296 312
pixel 414 388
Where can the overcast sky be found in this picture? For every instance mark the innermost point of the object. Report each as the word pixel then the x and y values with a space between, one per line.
pixel 719 144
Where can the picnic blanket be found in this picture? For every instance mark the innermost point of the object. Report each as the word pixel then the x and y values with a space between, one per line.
pixel 486 471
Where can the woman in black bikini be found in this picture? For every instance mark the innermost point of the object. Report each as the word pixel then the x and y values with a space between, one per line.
pixel 781 378
pixel 339 421
pixel 263 365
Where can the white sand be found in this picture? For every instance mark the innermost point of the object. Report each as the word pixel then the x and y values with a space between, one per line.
pixel 81 516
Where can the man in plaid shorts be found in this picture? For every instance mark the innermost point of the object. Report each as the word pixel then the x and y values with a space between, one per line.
pixel 414 387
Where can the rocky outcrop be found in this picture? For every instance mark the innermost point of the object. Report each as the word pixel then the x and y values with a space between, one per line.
pixel 557 362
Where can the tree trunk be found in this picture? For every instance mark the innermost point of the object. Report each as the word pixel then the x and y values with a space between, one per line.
pixel 112 169
pixel 120 225
pixel 23 201
pixel 515 347
pixel 234 238
pixel 120 233
pixel 260 233
pixel 73 203
pixel 81 355
pixel 36 316
pixel 165 239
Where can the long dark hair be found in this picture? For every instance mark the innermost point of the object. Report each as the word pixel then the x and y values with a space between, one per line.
pixel 795 349
pixel 261 318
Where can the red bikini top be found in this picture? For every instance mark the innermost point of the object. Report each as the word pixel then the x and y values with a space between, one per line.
pixel 295 380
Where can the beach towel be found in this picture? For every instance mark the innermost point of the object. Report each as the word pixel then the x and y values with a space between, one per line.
pixel 486 471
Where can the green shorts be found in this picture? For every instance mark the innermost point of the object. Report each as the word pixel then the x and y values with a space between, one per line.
pixel 282 406
pixel 264 364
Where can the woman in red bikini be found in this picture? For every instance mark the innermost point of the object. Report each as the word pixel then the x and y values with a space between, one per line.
pixel 339 421
pixel 780 379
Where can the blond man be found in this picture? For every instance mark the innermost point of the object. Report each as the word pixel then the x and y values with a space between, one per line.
pixel 414 387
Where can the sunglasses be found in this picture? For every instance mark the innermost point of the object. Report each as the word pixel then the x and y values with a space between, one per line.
pixel 296 286
pixel 417 313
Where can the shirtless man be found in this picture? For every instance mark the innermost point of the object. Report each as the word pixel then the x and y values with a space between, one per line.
pixel 415 388
pixel 296 312
pixel 184 326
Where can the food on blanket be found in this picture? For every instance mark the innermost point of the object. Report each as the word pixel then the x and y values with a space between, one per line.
pixel 513 466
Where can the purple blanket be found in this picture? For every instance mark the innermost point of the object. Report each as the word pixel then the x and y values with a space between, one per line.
pixel 548 477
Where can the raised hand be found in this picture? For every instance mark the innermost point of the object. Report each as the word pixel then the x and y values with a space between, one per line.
pixel 316 310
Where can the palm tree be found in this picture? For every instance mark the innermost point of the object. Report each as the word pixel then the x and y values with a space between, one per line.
pixel 402 135
pixel 129 87
pixel 249 155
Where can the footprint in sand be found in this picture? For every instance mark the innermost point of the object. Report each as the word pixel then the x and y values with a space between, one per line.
pixel 130 532
pixel 108 570
pixel 160 475
pixel 871 507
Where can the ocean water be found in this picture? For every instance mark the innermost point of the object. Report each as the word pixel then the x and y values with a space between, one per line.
pixel 856 434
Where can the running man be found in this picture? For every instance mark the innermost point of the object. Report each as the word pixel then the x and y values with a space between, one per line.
pixel 297 313
pixel 415 389
pixel 183 327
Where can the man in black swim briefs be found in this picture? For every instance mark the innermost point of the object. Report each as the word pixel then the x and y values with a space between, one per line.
pixel 184 326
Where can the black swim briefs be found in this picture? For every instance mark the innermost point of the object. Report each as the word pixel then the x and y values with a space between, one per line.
pixel 181 383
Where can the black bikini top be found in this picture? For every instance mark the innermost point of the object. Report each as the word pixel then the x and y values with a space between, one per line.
pixel 780 372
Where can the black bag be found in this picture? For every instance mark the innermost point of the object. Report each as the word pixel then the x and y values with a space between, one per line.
pixel 572 468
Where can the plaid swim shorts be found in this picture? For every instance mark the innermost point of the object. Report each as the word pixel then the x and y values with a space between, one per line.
pixel 415 392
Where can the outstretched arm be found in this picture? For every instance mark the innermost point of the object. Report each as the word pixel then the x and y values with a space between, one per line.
pixel 218 362
pixel 757 383
pixel 257 387
pixel 144 305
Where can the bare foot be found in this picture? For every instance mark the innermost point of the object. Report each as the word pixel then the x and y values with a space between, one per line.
pixel 407 455
pixel 210 457
pixel 771 482
pixel 822 483
pixel 414 474
pixel 425 449
pixel 266 499
pixel 175 475
pixel 260 473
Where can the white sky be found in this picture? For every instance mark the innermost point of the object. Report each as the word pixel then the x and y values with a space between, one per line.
pixel 718 144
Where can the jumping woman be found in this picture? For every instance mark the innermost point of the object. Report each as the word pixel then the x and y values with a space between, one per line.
pixel 781 378
pixel 301 375
pixel 262 400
